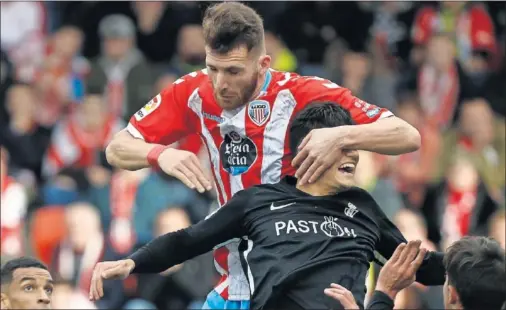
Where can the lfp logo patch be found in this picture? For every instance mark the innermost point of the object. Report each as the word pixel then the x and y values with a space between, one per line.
pixel 259 111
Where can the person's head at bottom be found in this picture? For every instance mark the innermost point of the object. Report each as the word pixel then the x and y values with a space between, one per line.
pixel 475 274
pixel 26 284
pixel 317 115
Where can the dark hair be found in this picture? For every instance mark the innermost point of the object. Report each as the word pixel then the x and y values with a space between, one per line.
pixel 21 262
pixel 316 115
pixel 231 24
pixel 475 267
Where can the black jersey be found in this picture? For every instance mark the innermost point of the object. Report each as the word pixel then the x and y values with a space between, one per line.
pixel 293 244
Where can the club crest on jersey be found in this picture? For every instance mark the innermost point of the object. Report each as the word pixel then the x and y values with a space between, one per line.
pixel 259 111
pixel 237 153
pixel 148 108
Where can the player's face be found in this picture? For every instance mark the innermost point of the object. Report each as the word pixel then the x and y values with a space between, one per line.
pixel 235 75
pixel 30 288
pixel 342 173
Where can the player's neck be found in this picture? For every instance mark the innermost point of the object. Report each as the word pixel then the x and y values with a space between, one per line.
pixel 259 87
pixel 317 189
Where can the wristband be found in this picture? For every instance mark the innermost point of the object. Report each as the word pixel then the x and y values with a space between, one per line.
pixel 154 154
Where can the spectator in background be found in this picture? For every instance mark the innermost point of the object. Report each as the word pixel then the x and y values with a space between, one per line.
pixel 480 136
pixel 61 75
pixel 14 204
pixel 458 206
pixel 24 138
pixel 497 227
pixel 78 140
pixel 439 82
pixel 121 70
pixel 282 59
pixel 469 25
pixel 23 34
pixel 85 245
pixel 190 54
pixel 413 171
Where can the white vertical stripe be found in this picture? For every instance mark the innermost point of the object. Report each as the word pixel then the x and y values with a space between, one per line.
pixel 251 280
pixel 274 137
pixel 64 144
pixel 195 103
pixel 235 123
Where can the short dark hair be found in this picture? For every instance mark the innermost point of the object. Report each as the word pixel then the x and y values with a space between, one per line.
pixel 475 267
pixel 16 263
pixel 231 24
pixel 316 115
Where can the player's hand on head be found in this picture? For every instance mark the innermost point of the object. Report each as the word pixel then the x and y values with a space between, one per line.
pixel 341 294
pixel 319 150
pixel 115 270
pixel 185 166
pixel 400 270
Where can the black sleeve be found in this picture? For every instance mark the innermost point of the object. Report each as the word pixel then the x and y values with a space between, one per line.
pixel 380 301
pixel 174 248
pixel 431 272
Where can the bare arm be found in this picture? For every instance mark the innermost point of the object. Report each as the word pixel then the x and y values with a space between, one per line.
pixel 388 136
pixel 127 152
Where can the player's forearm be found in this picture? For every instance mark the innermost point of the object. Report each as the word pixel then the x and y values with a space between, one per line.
pixel 127 152
pixel 166 251
pixel 389 136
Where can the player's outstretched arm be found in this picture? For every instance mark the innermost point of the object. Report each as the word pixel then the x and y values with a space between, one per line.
pixel 431 271
pixel 127 152
pixel 176 247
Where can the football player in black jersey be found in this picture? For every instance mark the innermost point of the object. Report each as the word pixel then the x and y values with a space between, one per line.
pixel 296 239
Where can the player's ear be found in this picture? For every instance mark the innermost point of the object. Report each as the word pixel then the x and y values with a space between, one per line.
pixel 6 304
pixel 453 297
pixel 264 63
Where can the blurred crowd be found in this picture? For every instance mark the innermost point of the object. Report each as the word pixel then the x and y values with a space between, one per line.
pixel 72 73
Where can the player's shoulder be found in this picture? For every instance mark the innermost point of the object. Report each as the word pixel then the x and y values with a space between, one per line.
pixel 359 195
pixel 190 81
pixel 302 83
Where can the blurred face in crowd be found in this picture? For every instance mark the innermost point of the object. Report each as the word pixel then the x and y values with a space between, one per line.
pixel 462 175
pixel 356 65
pixel 83 224
pixel 30 288
pixel 171 220
pixel 410 111
pixel 116 48
pixel 236 74
pixel 411 225
pixel 67 41
pixel 92 113
pixel 477 122
pixel 440 52
pixel 21 101
pixel 454 6
pixel 191 46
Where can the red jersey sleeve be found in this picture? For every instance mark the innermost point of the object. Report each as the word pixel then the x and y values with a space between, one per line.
pixel 166 118
pixel 315 89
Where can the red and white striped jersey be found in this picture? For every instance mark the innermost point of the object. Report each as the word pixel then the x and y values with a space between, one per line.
pixel 246 147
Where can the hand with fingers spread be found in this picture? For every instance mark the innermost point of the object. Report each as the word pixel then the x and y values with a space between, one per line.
pixel 319 150
pixel 115 270
pixel 341 294
pixel 184 166
pixel 400 270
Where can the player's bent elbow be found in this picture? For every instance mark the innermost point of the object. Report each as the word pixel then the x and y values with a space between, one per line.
pixel 414 140
pixel 111 154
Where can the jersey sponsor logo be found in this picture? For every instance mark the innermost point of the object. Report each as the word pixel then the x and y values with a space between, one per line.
pixel 212 117
pixel 148 108
pixel 273 207
pixel 237 153
pixel 350 210
pixel 329 227
pixel 259 111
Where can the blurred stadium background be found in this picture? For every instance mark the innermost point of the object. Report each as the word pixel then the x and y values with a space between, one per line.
pixel 72 73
